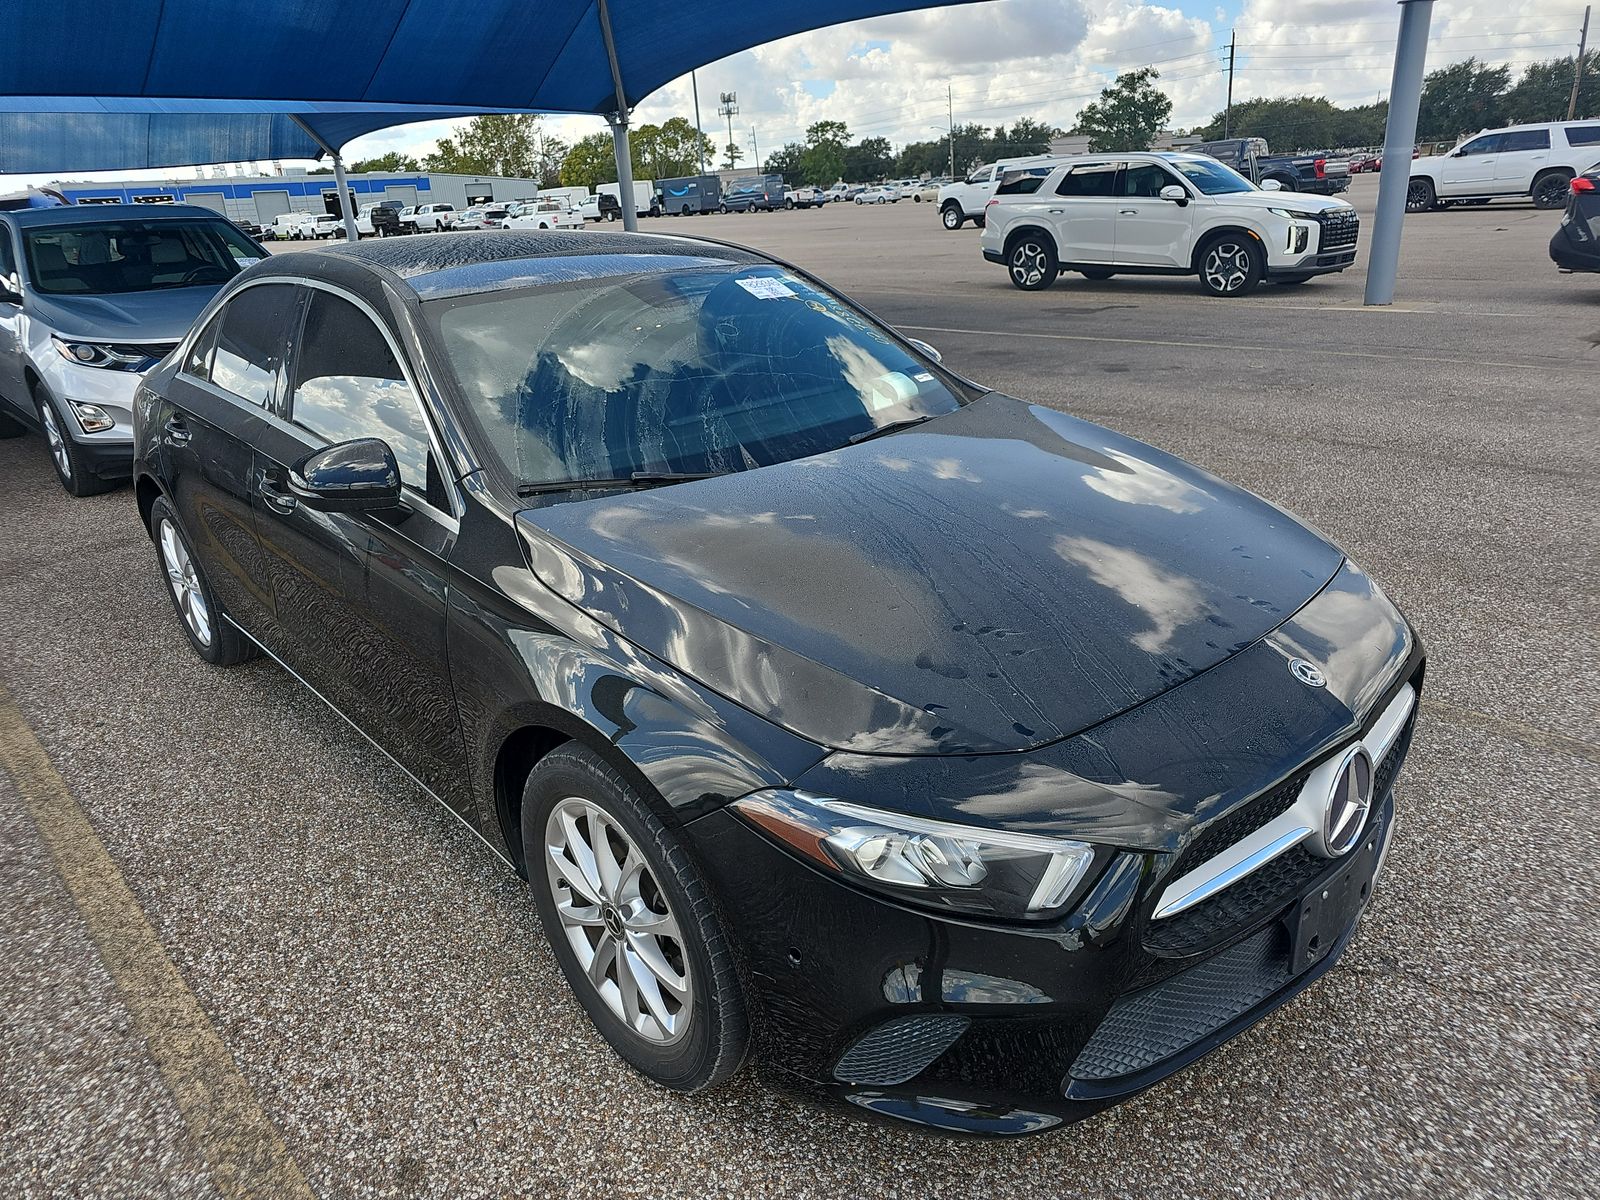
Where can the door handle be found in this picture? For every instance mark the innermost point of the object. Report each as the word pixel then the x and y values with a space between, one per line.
pixel 1128 212
pixel 1056 212
pixel 177 432
pixel 273 496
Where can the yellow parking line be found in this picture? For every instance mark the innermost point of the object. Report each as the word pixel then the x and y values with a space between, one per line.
pixel 241 1147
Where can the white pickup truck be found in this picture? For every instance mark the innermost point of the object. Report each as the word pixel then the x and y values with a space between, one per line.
pixel 427 218
pixel 964 200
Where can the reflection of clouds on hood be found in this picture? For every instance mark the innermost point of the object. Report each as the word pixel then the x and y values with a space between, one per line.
pixel 1144 483
pixel 1168 599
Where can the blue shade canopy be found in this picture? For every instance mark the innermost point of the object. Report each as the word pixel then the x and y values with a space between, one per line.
pixel 530 55
pixel 46 133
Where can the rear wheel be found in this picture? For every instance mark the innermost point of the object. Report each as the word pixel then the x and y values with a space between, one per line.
pixel 1421 196
pixel 951 215
pixel 1550 190
pixel 1031 262
pixel 1230 265
pixel 632 923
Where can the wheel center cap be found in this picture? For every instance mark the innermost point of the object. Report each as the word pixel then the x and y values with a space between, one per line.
pixel 613 920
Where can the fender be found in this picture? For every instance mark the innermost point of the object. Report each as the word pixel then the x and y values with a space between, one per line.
pixel 1234 227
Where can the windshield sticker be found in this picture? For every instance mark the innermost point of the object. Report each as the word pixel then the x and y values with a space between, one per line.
pixel 763 288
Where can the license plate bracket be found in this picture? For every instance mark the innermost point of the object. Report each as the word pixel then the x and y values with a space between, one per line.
pixel 1323 915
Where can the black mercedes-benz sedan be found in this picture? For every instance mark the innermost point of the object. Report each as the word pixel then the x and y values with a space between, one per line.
pixel 949 755
pixel 1575 246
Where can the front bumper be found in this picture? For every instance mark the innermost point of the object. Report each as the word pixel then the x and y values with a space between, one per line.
pixel 109 451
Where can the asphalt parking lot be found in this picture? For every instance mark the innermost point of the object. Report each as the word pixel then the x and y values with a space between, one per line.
pixel 360 995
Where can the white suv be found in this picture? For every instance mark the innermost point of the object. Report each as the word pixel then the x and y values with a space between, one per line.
pixel 1163 214
pixel 1521 160
pixel 964 200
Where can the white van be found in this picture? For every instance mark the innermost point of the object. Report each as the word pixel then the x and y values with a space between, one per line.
pixel 1520 160
pixel 291 226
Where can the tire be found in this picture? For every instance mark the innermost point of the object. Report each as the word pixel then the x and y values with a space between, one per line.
pixel 574 798
pixel 789 204
pixel 951 215
pixel 1230 265
pixel 980 222
pixel 1031 262
pixel 1550 190
pixel 721 208
pixel 1097 275
pixel 916 199
pixel 196 608
pixel 71 464
pixel 1421 196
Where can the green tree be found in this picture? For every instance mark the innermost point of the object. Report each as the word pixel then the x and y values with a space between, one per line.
pixel 1541 94
pixel 1025 136
pixel 731 154
pixel 870 159
pixel 785 161
pixel 1462 98
pixel 823 160
pixel 491 145
pixel 392 161
pixel 1128 114
pixel 590 162
pixel 669 150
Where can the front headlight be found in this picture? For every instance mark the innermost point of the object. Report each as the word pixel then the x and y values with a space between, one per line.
pixel 1291 214
pixel 110 355
pixel 986 872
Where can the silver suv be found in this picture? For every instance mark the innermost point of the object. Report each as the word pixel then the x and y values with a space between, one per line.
pixel 91 298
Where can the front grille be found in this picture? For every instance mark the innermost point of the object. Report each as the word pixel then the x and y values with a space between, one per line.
pixel 1239 824
pixel 1147 1027
pixel 899 1049
pixel 1340 229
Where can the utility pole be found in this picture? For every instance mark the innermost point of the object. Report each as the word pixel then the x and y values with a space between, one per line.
pixel 700 133
pixel 729 108
pixel 950 108
pixel 1227 113
pixel 756 146
pixel 1399 137
pixel 1577 71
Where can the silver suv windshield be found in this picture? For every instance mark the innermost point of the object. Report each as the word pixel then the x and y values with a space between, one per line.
pixel 703 370
pixel 1211 177
pixel 134 256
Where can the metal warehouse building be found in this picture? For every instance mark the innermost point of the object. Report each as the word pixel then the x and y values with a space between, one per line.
pixel 260 198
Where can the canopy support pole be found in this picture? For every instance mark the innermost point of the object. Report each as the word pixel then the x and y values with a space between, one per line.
pixel 1399 140
pixel 338 179
pixel 619 127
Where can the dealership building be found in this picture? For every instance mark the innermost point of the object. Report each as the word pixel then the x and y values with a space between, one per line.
pixel 260 198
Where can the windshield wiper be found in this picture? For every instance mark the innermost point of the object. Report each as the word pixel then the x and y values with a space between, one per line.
pixel 866 435
pixel 639 479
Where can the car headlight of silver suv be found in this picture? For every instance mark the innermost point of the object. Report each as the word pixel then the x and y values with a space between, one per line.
pixel 987 872
pixel 112 356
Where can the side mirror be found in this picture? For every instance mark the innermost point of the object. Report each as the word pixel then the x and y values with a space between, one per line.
pixel 1271 185
pixel 926 349
pixel 1176 193
pixel 358 476
pixel 10 290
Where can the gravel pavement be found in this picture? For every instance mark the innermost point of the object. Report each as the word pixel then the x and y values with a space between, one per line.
pixel 380 983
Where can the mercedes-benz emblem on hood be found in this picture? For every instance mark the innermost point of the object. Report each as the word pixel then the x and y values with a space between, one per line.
pixel 1348 804
pixel 1307 673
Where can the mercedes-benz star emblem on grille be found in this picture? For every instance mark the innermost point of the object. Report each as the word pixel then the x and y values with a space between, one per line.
pixel 1307 673
pixel 1348 804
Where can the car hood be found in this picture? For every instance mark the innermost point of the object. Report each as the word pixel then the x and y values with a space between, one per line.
pixel 157 316
pixel 995 579
pixel 1294 201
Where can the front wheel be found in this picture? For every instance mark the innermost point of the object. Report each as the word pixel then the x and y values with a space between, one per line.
pixel 951 216
pixel 71 463
pixel 1230 265
pixel 632 923
pixel 1421 196
pixel 1550 190
pixel 213 639
pixel 1031 263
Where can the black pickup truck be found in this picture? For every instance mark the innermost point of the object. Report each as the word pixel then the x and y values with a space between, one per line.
pixel 1293 173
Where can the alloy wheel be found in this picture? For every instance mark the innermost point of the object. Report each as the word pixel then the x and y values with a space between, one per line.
pixel 1028 264
pixel 1551 191
pixel 1419 196
pixel 616 918
pixel 53 436
pixel 185 583
pixel 1227 267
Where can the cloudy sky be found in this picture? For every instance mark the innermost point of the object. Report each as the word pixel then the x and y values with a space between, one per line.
pixel 1045 59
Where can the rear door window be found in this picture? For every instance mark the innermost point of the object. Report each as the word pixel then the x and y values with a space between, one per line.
pixel 251 342
pixel 1095 179
pixel 1525 139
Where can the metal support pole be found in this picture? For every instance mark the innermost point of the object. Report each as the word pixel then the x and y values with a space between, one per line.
pixel 1399 139
pixel 1577 70
pixel 756 146
pixel 351 234
pixel 700 133
pixel 619 127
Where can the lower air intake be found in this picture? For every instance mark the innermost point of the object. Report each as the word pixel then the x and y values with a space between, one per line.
pixel 899 1050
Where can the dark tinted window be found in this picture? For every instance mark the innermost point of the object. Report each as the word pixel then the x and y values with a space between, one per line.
pixel 1525 139
pixel 255 326
pixel 198 360
pixel 135 256
pixel 1144 179
pixel 1096 180
pixel 347 385
pixel 8 259
pixel 1583 135
pixel 1489 143
pixel 1022 183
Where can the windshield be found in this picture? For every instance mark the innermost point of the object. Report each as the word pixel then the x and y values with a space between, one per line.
pixel 692 370
pixel 135 256
pixel 1211 177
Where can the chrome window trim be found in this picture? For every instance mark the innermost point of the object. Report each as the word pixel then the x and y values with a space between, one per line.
pixel 447 465
pixel 1291 827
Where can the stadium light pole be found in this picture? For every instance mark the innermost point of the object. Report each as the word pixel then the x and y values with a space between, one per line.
pixel 1399 139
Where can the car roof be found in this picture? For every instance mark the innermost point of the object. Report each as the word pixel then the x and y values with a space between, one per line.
pixel 97 214
pixel 473 261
